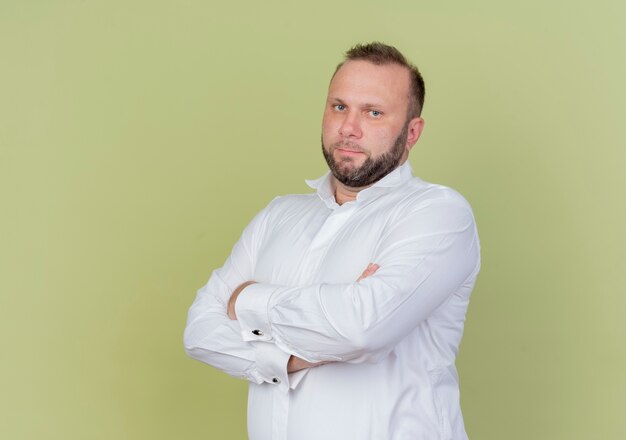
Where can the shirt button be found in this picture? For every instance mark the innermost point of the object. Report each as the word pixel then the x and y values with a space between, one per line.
pixel 257 332
pixel 276 380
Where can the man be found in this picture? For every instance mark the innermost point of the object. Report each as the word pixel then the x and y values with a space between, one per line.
pixel 344 309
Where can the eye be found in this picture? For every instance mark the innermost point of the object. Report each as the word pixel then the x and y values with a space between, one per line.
pixel 339 107
pixel 375 113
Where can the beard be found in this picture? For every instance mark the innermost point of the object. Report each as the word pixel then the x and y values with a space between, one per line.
pixel 372 169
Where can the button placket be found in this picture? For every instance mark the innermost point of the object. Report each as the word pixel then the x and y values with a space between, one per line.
pixel 332 224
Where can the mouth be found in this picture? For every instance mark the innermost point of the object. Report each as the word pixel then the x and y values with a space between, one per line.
pixel 349 152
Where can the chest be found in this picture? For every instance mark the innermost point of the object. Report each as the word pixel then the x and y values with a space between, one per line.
pixel 310 246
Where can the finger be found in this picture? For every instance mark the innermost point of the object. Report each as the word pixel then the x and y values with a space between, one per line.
pixel 369 270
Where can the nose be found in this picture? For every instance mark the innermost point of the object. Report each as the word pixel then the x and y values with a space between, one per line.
pixel 350 126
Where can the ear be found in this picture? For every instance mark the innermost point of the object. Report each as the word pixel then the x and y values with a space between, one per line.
pixel 416 125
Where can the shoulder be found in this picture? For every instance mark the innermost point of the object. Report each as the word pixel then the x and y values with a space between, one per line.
pixel 279 209
pixel 435 204
pixel 285 206
pixel 420 193
pixel 289 202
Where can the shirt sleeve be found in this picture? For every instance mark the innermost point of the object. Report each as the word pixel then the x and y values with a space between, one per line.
pixel 213 338
pixel 424 258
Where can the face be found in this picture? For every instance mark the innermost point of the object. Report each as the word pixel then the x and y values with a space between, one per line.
pixel 365 131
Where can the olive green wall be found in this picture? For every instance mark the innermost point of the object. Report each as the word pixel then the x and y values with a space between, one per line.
pixel 137 138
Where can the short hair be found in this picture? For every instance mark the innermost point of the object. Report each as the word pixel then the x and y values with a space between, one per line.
pixel 381 54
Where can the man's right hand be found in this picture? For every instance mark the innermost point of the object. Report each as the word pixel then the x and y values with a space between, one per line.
pixel 295 363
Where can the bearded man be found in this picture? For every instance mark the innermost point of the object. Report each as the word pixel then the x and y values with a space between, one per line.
pixel 344 308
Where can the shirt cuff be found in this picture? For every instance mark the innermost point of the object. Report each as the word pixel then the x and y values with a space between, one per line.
pixel 271 365
pixel 252 312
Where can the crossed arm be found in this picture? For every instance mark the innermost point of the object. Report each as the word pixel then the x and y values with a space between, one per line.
pixel 295 363
pixel 213 338
pixel 425 257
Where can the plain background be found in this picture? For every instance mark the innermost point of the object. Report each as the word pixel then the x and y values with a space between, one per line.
pixel 138 138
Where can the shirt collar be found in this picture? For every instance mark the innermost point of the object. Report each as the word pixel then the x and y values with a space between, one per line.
pixel 395 178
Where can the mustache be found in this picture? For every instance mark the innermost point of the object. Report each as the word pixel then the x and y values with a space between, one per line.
pixel 350 146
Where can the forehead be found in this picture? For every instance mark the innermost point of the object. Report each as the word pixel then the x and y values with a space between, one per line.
pixel 357 79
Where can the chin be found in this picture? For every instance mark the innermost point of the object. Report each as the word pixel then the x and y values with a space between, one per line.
pixel 346 164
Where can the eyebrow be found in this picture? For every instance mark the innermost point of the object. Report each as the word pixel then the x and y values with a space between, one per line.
pixel 366 105
pixel 339 100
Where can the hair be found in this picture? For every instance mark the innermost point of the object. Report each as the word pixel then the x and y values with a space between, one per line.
pixel 380 54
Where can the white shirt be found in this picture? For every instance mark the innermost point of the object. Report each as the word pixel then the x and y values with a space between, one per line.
pixel 393 336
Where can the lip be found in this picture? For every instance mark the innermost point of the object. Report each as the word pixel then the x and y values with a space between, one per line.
pixel 349 152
